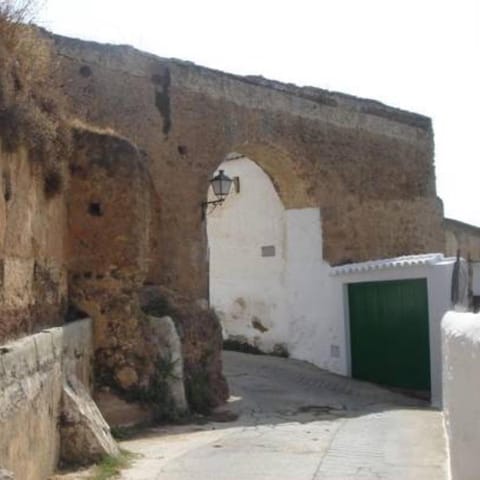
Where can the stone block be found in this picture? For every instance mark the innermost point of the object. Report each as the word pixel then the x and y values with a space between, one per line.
pixel 56 335
pixel 6 475
pixel 171 348
pixel 20 359
pixel 43 344
pixel 120 413
pixel 85 435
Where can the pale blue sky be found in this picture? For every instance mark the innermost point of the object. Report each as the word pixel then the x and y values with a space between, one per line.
pixel 419 55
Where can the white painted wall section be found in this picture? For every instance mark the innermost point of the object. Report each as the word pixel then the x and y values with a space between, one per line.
pixel 314 298
pixel 461 392
pixel 246 288
pixel 287 299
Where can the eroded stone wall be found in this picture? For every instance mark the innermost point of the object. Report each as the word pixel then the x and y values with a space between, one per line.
pixel 108 240
pixel 96 231
pixel 33 279
pixel 367 166
pixel 462 237
pixel 32 373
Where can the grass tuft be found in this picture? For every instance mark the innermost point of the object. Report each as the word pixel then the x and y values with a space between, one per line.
pixel 110 467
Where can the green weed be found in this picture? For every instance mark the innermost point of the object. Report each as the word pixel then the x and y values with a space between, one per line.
pixel 110 467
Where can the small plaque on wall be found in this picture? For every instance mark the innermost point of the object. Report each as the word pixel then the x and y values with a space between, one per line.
pixel 268 251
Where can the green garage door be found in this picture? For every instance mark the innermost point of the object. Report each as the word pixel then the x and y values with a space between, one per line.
pixel 389 333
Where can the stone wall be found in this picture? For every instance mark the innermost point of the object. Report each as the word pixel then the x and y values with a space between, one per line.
pixel 93 236
pixel 367 166
pixel 109 208
pixel 84 248
pixel 110 204
pixel 32 372
pixel 464 237
pixel 461 384
pixel 33 280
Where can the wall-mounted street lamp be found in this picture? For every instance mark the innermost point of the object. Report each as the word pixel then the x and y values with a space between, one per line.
pixel 221 185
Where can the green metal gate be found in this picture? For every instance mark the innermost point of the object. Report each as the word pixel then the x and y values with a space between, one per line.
pixel 389 333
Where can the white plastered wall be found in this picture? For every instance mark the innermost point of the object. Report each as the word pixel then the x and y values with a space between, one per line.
pixel 246 288
pixel 316 330
pixel 289 295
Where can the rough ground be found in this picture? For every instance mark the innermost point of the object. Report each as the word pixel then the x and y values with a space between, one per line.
pixel 298 422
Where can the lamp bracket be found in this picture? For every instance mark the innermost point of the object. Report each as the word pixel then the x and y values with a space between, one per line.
pixel 212 202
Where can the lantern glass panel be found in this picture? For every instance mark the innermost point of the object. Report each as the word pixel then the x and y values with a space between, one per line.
pixel 221 184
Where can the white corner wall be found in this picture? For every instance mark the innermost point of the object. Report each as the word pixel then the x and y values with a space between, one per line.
pixel 287 299
pixel 316 329
pixel 461 392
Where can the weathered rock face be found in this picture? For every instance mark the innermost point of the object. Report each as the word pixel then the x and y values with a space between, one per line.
pixel 33 279
pixel 108 238
pixel 6 475
pixel 85 436
pixel 110 202
pixel 201 338
pixel 168 341
pixel 34 142
pixel 367 166
pixel 99 229
pixel 119 412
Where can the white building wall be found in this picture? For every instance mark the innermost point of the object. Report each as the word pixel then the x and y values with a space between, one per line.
pixel 314 298
pixel 246 288
pixel 290 294
pixel 461 392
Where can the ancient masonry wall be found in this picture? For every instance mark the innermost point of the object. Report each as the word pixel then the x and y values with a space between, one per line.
pixel 33 280
pixel 91 240
pixel 464 237
pixel 32 373
pixel 368 167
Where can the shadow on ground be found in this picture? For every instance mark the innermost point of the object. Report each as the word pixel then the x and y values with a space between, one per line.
pixel 272 390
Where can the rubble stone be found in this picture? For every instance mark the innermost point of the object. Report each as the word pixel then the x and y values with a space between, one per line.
pixel 6 475
pixel 85 435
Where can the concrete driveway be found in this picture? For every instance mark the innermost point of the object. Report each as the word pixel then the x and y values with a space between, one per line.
pixel 298 422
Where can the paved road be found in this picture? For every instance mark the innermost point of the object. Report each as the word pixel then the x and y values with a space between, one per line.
pixel 298 422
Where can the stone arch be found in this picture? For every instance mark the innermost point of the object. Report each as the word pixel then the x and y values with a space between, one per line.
pixel 266 268
pixel 287 175
pixel 247 256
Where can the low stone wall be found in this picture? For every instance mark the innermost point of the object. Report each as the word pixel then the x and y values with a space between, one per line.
pixel 32 371
pixel 461 384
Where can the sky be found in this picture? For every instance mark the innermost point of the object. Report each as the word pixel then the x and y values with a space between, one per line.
pixel 418 55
